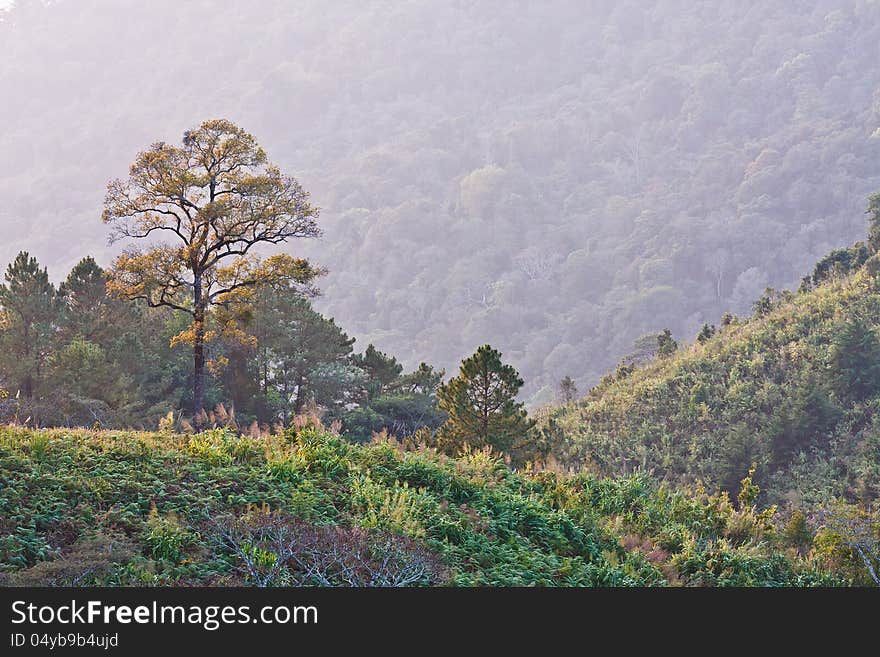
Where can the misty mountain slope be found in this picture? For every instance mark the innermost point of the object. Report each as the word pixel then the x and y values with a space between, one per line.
pixel 794 390
pixel 556 178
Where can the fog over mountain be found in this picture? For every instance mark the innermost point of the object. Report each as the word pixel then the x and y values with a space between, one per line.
pixel 554 178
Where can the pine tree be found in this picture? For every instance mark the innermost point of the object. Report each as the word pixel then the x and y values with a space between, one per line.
pixel 706 333
pixel 305 354
pixel 29 305
pixel 382 370
pixel 481 404
pixel 874 223
pixel 297 357
pixel 89 312
pixel 855 360
pixel 407 405
pixel 666 346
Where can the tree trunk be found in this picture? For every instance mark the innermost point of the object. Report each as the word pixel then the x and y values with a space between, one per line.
pixel 198 357
pixel 28 384
pixel 484 420
pixel 300 399
pixel 199 376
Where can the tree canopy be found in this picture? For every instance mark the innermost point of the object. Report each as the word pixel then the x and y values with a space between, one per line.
pixel 482 407
pixel 218 200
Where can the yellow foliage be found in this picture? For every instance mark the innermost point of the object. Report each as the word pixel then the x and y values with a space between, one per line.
pixel 215 197
pixel 217 365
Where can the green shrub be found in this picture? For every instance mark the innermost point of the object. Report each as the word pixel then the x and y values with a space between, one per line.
pixel 166 537
pixel 474 520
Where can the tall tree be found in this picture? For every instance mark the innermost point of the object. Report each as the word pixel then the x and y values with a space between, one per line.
pixel 29 306
pixel 382 370
pixel 481 403
pixel 218 199
pixel 89 312
pixel 97 357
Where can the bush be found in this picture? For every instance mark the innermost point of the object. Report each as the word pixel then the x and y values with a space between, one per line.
pixel 86 563
pixel 273 548
pixel 166 537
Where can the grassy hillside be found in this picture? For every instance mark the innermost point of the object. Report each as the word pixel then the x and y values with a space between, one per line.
pixel 795 389
pixel 306 507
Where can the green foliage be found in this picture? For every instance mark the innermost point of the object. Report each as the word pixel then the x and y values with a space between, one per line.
pixel 109 363
pixel 196 518
pixel 381 370
pixel 299 355
pixel 482 407
pixel 29 306
pixel 854 529
pixel 80 357
pixel 666 346
pixel 401 415
pixel 796 532
pixel 400 404
pixel 854 358
pixel 764 303
pixel 840 262
pixel 793 390
pixel 165 537
pixel 224 447
pixel 748 494
pixel 874 223
pixel 568 390
pixel 89 561
pixel 706 333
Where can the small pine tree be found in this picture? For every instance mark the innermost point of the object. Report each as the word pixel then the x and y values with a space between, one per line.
pixel 706 333
pixel 764 304
pixel 481 404
pixel 797 534
pixel 749 491
pixel 855 360
pixel 666 346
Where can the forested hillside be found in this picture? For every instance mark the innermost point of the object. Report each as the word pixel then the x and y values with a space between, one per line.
pixel 555 178
pixel 792 391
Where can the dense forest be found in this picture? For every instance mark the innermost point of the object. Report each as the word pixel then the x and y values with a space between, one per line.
pixel 557 179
